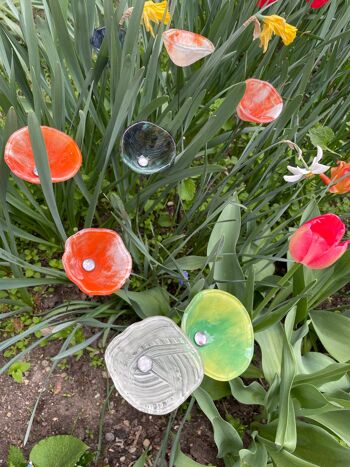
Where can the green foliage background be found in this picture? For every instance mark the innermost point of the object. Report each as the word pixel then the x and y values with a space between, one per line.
pixel 224 202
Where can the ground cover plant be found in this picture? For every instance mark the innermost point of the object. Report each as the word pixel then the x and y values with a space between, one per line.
pixel 220 217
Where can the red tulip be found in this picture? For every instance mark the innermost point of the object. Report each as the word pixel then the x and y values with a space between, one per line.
pixel 97 261
pixel 337 173
pixel 62 151
pixel 260 103
pixel 262 3
pixel 317 3
pixel 316 244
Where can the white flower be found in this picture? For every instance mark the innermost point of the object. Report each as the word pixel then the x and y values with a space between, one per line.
pixel 314 169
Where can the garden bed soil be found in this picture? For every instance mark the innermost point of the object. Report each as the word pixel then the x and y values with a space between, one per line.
pixel 71 404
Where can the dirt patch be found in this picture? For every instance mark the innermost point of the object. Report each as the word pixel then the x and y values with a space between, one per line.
pixel 71 404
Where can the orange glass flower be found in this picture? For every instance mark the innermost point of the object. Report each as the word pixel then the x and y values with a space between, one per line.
pixel 261 102
pixel 338 173
pixel 63 154
pixel 97 261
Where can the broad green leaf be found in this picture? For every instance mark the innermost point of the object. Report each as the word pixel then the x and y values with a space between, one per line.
pixel 254 456
pixel 226 437
pixel 335 421
pixel 16 458
pixel 151 302
pixel 321 136
pixel 271 345
pixel 253 393
pixel 315 447
pixel 216 389
pixel 227 270
pixel 187 189
pixel 333 330
pixel 58 451
pixel 182 460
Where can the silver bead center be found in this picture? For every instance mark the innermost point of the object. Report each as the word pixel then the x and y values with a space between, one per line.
pixel 35 171
pixel 144 364
pixel 142 161
pixel 200 338
pixel 89 264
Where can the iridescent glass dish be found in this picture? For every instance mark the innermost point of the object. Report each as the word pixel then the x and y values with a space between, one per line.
pixel 147 148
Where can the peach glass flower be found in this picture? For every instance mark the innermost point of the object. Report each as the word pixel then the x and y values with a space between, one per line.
pixel 261 103
pixel 185 47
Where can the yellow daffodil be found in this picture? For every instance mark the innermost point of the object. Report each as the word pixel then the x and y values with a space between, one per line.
pixel 274 24
pixel 155 12
pixel 271 25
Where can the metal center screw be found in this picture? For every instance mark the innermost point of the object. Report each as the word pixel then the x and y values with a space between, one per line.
pixel 142 161
pixel 200 338
pixel 144 364
pixel 89 264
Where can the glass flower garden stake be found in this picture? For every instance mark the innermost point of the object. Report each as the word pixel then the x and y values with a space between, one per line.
pixel 340 178
pixel 63 154
pixel 261 103
pixel 185 47
pixel 154 366
pixel 316 244
pixel 99 34
pixel 147 148
pixel 220 327
pixel 97 261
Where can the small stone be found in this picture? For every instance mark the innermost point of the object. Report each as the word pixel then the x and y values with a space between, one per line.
pixel 126 423
pixel 8 414
pixel 132 449
pixel 146 443
pixel 109 436
pixel 122 459
pixel 45 363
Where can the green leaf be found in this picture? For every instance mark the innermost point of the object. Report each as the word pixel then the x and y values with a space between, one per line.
pixel 151 302
pixel 16 458
pixel 187 189
pixel 253 394
pixel 335 421
pixel 227 271
pixel 254 456
pixel 58 451
pixel 321 136
pixel 226 437
pixel 333 330
pixel 141 461
pixel 315 448
pixel 182 460
pixel 216 389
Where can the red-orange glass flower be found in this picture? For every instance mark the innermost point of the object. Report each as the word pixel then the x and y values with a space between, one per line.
pixel 97 261
pixel 317 243
pixel 63 154
pixel 337 173
pixel 260 103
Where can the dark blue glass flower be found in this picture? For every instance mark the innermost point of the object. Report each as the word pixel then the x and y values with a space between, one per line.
pixel 99 34
pixel 147 148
